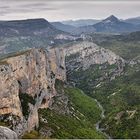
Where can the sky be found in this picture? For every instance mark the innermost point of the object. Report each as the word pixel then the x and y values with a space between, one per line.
pixel 59 10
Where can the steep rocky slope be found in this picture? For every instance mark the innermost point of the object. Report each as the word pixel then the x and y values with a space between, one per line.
pixel 82 55
pixel 27 83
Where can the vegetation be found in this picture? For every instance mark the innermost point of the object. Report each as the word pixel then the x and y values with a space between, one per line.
pixel 121 100
pixel 88 79
pixel 25 100
pixel 3 124
pixel 79 122
pixel 127 46
pixel 119 97
pixel 31 135
pixel 83 103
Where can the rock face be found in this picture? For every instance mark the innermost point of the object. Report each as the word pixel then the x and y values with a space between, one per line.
pixel 84 54
pixel 29 76
pixel 6 133
pixel 28 79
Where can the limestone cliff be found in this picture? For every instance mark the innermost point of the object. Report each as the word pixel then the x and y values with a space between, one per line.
pixel 29 76
pixel 84 54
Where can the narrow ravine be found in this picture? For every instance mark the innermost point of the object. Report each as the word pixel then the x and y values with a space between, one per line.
pixel 102 117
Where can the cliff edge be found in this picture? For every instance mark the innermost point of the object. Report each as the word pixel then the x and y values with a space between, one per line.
pixel 27 82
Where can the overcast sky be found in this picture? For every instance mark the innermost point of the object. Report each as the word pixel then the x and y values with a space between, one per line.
pixel 58 10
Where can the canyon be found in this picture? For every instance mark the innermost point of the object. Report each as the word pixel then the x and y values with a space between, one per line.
pixel 59 81
pixel 28 80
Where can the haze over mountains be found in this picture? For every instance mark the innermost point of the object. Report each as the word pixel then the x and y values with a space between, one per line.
pixel 22 34
pixel 36 26
pixel 109 25
pixel 135 20
pixel 81 22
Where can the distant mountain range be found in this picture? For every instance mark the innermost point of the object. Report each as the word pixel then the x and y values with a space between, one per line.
pixel 28 27
pixel 23 34
pixel 109 25
pixel 86 22
pixel 64 27
pixel 114 25
pixel 135 20
pixel 81 22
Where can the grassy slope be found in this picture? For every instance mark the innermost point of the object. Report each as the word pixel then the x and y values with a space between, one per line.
pixel 119 97
pixel 80 125
pixel 127 50
pixel 127 46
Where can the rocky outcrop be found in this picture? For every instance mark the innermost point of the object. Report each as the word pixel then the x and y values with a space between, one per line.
pixel 27 82
pixel 84 54
pixel 6 133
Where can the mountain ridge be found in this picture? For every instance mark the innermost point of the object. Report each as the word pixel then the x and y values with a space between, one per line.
pixel 80 22
pixel 63 27
pixel 110 24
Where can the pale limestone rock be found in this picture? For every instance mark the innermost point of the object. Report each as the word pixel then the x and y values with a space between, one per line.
pixel 32 72
pixel 87 53
pixel 6 133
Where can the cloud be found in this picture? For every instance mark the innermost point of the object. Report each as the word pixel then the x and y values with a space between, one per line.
pixel 23 9
pixel 64 9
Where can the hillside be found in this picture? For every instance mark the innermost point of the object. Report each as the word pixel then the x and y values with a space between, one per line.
pixel 72 115
pixel 32 33
pixel 117 91
pixel 135 20
pixel 127 45
pixel 63 27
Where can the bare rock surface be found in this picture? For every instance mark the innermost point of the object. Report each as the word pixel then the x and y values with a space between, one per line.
pixel 29 75
pixel 6 133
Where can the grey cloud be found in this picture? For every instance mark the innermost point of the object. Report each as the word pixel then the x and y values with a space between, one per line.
pixel 33 5
pixel 4 7
pixel 63 9
pixel 23 7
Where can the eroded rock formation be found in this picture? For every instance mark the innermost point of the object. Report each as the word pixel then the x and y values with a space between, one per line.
pixel 27 83
pixel 84 54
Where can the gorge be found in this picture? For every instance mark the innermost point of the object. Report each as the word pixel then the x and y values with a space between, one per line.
pixel 28 79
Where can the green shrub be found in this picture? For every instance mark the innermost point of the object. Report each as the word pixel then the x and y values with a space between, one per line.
pixel 25 100
pixel 31 135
